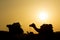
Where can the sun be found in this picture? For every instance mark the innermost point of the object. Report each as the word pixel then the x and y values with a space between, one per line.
pixel 43 16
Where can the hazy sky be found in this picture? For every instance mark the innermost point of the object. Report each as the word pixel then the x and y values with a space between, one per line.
pixel 26 12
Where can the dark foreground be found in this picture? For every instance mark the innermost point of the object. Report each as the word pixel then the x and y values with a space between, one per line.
pixel 16 33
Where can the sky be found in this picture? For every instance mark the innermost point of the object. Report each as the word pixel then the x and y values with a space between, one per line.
pixel 28 11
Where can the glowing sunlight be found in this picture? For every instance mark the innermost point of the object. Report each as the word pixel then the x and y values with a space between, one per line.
pixel 43 15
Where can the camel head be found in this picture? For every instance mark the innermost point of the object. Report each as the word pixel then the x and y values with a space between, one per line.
pixel 32 25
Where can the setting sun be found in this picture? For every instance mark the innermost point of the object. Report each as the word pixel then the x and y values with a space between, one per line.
pixel 43 16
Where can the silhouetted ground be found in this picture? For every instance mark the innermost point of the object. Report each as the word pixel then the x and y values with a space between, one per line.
pixel 17 33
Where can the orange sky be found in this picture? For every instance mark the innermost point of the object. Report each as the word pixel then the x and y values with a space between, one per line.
pixel 27 11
